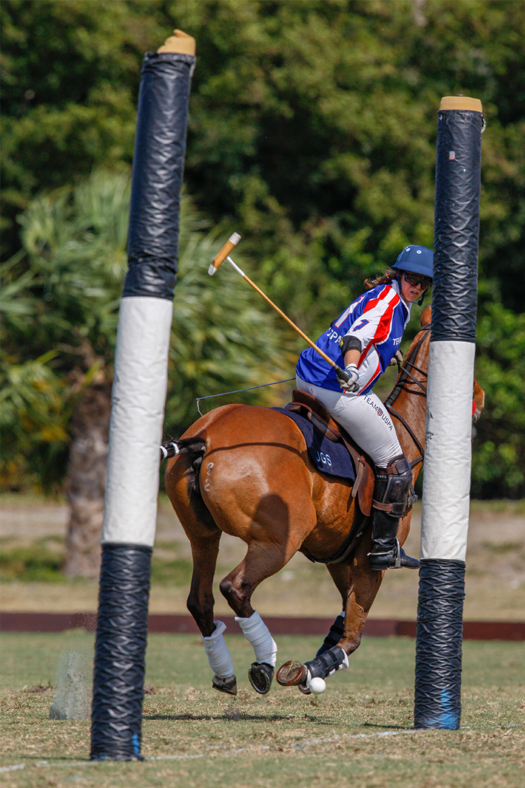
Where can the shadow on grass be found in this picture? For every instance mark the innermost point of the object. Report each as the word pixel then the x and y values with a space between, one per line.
pixel 238 716
pixel 233 716
pixel 388 727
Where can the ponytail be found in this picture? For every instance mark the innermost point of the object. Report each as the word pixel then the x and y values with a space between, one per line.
pixel 386 279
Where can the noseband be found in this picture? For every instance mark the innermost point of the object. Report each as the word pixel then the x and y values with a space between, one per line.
pixel 405 377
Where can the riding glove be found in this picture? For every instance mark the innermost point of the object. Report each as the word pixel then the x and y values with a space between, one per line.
pixel 396 359
pixel 352 384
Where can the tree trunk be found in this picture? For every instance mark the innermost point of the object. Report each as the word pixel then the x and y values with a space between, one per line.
pixel 86 481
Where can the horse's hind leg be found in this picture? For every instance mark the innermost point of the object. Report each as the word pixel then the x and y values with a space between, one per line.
pixel 204 536
pixel 261 561
pixel 200 604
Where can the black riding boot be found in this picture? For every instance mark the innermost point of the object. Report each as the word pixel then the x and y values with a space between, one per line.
pixel 389 505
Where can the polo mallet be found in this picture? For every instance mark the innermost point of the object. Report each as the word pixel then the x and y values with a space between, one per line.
pixel 224 254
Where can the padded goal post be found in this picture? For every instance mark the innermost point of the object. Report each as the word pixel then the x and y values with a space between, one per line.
pixel 139 395
pixel 446 484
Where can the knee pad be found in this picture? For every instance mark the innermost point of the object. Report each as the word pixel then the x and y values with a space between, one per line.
pixel 392 486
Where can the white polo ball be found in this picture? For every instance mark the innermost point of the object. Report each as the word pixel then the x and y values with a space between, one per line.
pixel 317 685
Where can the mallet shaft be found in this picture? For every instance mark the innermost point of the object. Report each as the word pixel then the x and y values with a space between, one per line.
pixel 341 372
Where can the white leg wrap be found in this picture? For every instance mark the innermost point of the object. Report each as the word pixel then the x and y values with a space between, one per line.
pixel 217 652
pixel 257 633
pixel 344 664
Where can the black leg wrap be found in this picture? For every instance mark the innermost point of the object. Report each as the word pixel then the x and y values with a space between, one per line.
pixel 334 636
pixel 326 663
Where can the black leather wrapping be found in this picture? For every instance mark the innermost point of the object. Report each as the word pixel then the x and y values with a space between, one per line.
pixel 456 229
pixel 158 166
pixel 439 643
pixel 325 664
pixel 122 628
pixel 334 635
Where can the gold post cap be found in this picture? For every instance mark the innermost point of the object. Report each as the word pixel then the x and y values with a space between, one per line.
pixel 179 42
pixel 461 102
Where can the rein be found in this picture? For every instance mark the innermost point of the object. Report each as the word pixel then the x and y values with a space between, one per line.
pixel 407 376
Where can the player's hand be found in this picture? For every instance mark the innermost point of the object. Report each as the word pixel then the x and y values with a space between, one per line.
pixel 353 383
pixel 396 359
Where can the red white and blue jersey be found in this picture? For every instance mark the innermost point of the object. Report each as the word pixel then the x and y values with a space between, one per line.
pixel 377 319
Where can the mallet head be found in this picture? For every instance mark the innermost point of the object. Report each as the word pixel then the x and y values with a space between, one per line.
pixel 219 258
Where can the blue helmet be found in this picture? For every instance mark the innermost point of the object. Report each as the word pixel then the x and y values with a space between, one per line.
pixel 416 260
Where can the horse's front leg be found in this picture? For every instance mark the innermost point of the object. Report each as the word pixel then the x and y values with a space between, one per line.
pixel 358 587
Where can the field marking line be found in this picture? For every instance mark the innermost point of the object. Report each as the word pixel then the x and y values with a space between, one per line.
pixel 215 754
pixel 331 739
pixel 224 753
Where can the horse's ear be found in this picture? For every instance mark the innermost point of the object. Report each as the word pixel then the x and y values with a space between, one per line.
pixel 479 401
pixel 426 316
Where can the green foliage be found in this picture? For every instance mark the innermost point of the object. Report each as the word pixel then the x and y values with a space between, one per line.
pixel 175 572
pixel 63 294
pixel 70 72
pixel 32 563
pixel 499 458
pixel 59 321
pixel 311 132
pixel 312 123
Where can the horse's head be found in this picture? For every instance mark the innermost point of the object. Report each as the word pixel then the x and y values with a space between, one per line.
pixel 426 316
pixel 479 401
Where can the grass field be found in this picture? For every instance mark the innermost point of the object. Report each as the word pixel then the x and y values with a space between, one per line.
pixel 359 733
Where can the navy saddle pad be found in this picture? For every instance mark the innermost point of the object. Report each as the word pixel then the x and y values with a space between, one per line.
pixel 327 456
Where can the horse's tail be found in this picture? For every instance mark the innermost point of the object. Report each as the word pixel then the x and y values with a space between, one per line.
pixel 195 448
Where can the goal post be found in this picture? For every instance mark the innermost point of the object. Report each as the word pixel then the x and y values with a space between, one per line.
pixel 448 440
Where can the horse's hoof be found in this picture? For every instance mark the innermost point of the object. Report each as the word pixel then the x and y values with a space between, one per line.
pixel 304 688
pixel 292 674
pixel 261 675
pixel 228 685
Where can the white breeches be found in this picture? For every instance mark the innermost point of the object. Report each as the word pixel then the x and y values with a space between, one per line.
pixel 364 417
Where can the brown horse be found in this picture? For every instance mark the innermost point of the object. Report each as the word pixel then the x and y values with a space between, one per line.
pixel 256 481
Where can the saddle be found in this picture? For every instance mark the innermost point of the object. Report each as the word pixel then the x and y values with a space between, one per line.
pixel 312 409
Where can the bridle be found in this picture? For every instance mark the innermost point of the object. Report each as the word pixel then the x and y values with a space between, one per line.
pixel 406 377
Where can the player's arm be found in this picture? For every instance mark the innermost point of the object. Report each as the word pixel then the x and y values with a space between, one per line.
pixel 352 357
pixel 370 328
